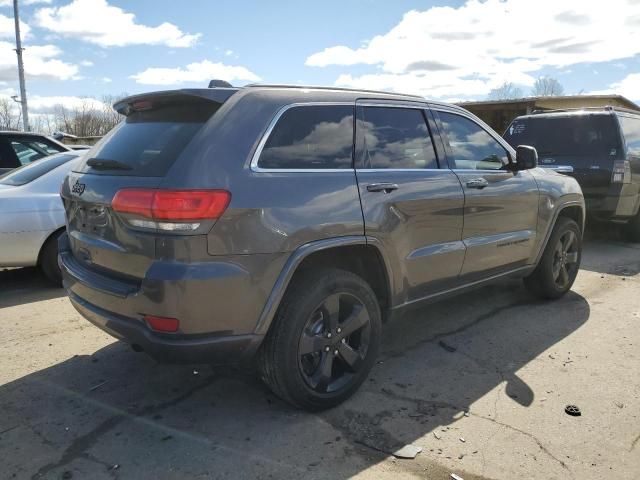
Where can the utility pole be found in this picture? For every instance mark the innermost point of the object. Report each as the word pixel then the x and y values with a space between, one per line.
pixel 23 89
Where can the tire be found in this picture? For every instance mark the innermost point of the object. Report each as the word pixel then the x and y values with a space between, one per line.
pixel 633 229
pixel 560 262
pixel 303 323
pixel 48 260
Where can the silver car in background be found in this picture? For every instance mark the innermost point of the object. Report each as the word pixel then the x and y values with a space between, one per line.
pixel 32 215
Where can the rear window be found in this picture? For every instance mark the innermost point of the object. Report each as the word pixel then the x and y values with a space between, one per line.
pixel 588 135
pixel 310 137
pixel 149 141
pixel 28 173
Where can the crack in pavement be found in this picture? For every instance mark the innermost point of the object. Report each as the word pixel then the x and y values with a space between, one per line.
pixel 635 442
pixel 418 401
pixel 83 443
pixel 79 447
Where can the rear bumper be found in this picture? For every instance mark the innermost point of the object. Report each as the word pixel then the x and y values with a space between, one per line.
pixel 166 347
pixel 217 303
pixel 621 202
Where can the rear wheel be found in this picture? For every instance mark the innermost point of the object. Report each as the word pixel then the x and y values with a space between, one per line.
pixel 323 341
pixel 48 261
pixel 633 228
pixel 560 262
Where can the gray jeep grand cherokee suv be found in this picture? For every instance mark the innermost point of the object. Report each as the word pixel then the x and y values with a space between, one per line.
pixel 286 224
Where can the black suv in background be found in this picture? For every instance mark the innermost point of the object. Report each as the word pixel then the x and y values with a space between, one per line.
pixel 285 224
pixel 600 148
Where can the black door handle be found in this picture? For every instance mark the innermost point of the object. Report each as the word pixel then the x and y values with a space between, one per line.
pixel 477 183
pixel 382 187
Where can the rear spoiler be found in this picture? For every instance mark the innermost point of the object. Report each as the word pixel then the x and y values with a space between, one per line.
pixel 217 95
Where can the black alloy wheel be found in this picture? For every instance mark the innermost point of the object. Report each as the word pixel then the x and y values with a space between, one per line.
pixel 334 342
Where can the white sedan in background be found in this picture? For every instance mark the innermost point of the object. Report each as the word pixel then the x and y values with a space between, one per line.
pixel 32 215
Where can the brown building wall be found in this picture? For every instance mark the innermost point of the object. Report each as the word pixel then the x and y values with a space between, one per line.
pixel 500 114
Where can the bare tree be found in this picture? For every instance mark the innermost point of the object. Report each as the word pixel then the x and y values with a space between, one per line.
pixel 505 91
pixel 547 87
pixel 87 119
pixel 10 117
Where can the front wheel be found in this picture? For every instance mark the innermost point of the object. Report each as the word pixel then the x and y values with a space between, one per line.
pixel 323 341
pixel 560 262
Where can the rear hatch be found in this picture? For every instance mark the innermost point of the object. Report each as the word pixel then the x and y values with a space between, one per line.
pixel 135 155
pixel 582 145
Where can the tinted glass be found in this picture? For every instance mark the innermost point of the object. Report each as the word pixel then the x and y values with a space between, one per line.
pixel 471 145
pixel 580 135
pixel 30 150
pixel 314 136
pixel 396 138
pixel 148 142
pixel 631 131
pixel 28 173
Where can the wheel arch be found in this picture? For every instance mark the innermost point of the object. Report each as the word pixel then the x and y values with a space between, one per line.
pixel 572 209
pixel 46 240
pixel 351 253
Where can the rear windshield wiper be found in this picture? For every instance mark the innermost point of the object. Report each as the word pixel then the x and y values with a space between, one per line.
pixel 99 164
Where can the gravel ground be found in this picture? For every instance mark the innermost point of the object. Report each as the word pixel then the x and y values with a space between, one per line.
pixel 479 382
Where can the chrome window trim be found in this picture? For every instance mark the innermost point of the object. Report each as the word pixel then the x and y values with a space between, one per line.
pixel 265 137
pixel 417 105
pixel 381 170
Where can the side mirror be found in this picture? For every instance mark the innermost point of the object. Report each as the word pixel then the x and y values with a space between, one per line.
pixel 526 158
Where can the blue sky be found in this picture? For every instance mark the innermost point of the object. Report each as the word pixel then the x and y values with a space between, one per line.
pixel 440 49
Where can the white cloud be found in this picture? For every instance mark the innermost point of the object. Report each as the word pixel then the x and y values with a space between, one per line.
pixel 7 28
pixel 228 53
pixel 628 87
pixel 199 72
pixel 43 105
pixel 107 80
pixel 86 63
pixel 46 104
pixel 40 61
pixel 97 22
pixel 466 51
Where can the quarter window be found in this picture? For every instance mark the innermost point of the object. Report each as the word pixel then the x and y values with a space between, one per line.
pixel 395 138
pixel 631 132
pixel 471 146
pixel 311 137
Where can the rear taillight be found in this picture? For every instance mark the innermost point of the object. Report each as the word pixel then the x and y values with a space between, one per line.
pixel 172 210
pixel 621 172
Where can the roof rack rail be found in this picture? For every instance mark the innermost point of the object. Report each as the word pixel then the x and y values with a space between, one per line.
pixel 606 108
pixel 339 89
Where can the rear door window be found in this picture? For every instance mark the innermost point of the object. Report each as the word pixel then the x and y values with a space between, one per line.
pixel 631 131
pixel 395 138
pixel 149 141
pixel 310 137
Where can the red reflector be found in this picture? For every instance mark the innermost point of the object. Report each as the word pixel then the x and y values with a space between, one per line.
pixel 172 204
pixel 162 324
